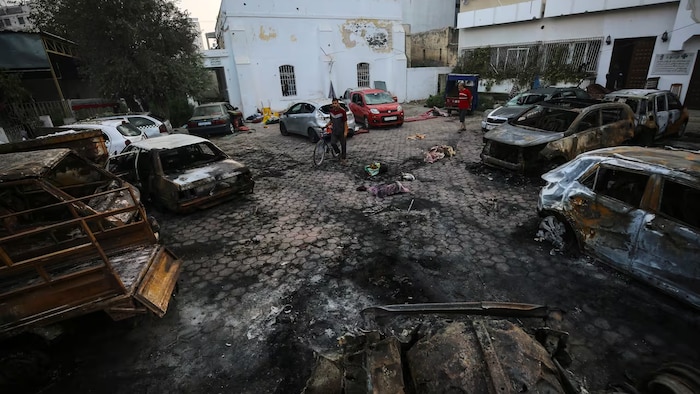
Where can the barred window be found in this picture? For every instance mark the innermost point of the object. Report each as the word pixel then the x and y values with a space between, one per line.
pixel 582 54
pixel 288 81
pixel 363 75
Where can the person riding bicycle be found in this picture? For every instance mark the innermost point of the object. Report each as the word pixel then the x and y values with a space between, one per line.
pixel 339 125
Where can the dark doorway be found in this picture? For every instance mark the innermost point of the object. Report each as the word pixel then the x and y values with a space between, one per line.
pixel 692 98
pixel 629 65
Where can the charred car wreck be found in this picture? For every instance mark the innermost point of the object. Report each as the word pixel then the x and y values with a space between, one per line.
pixel 635 208
pixel 74 239
pixel 554 132
pixel 182 172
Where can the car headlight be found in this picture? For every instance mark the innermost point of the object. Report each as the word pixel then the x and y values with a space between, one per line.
pixel 374 110
pixel 399 108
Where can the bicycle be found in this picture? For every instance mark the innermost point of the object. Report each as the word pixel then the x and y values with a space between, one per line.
pixel 324 147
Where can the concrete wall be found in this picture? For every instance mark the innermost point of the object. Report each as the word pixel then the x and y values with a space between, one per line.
pixel 618 24
pixel 423 82
pixel 432 48
pixel 425 15
pixel 261 36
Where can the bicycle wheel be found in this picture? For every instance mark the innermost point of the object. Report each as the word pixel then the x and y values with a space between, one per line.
pixel 319 152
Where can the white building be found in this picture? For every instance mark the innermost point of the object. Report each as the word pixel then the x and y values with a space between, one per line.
pixel 273 52
pixel 637 43
pixel 15 17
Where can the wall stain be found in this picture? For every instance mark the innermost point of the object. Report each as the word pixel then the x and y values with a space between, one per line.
pixel 376 34
pixel 267 36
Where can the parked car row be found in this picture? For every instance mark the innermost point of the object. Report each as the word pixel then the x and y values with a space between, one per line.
pixel 536 131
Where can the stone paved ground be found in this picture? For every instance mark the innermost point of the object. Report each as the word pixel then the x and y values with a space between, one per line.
pixel 281 273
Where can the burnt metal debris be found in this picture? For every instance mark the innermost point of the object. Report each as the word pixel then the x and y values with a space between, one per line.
pixel 635 209
pixel 554 132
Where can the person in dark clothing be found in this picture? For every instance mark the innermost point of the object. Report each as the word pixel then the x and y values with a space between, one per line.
pixel 339 124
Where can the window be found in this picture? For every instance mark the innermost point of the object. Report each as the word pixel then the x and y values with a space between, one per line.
pixel 673 102
pixel 288 81
pixel 139 121
pixel 680 202
pixel 516 57
pixel 20 19
pixel 624 186
pixel 661 103
pixel 589 121
pixel 363 75
pixel 7 22
pixel 612 115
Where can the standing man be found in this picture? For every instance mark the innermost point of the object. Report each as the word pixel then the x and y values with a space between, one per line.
pixel 339 122
pixel 465 104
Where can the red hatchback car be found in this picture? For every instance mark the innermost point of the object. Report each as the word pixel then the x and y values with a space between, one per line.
pixel 375 108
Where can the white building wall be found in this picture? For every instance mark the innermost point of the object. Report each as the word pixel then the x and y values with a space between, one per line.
pixel 425 15
pixel 422 82
pixel 617 23
pixel 262 35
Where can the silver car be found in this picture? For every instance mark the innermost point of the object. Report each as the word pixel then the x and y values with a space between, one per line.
pixel 309 117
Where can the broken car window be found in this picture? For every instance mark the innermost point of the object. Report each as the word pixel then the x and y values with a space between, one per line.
pixel 681 203
pixel 190 156
pixel 625 186
pixel 547 118
pixel 612 115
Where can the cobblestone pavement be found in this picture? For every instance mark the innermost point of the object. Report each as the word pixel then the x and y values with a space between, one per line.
pixel 276 275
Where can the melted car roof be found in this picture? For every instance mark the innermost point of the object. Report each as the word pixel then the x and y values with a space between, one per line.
pixel 676 159
pixel 169 141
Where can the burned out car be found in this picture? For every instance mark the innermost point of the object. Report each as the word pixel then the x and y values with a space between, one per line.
pixel 657 113
pixel 554 132
pixel 182 172
pixel 635 208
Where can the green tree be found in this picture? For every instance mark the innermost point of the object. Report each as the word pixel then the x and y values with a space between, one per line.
pixel 142 48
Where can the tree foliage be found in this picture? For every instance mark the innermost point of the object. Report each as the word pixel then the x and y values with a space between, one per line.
pixel 552 71
pixel 127 48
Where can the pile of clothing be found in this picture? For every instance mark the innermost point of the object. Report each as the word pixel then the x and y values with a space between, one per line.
pixel 438 152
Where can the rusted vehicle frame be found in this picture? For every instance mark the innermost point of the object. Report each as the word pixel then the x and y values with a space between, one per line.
pixel 523 148
pixel 635 241
pixel 82 248
pixel 87 143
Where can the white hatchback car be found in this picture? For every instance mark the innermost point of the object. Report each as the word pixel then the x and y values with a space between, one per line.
pixel 118 133
pixel 150 124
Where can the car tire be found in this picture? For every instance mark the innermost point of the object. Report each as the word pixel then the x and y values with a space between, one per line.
pixel 365 123
pixel 559 233
pixel 351 132
pixel 313 135
pixel 681 130
pixel 231 128
pixel 283 129
pixel 400 124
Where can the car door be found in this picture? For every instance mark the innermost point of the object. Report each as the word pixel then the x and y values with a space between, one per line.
pixel 675 110
pixel 586 135
pixel 291 119
pixel 617 126
pixel 668 244
pixel 607 211
pixel 357 106
pixel 662 115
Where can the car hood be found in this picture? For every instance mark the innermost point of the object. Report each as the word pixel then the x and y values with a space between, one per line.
pixel 508 112
pixel 385 107
pixel 518 136
pixel 212 172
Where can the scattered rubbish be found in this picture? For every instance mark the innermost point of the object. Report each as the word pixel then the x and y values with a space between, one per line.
pixel 388 189
pixel 438 152
pixel 361 130
pixel 375 168
pixel 407 177
pixel 432 113
pixel 416 137
pixel 257 238
pixel 272 120
pixel 242 128
pixel 256 118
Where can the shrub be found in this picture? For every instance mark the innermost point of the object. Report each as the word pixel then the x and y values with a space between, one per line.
pixel 435 101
